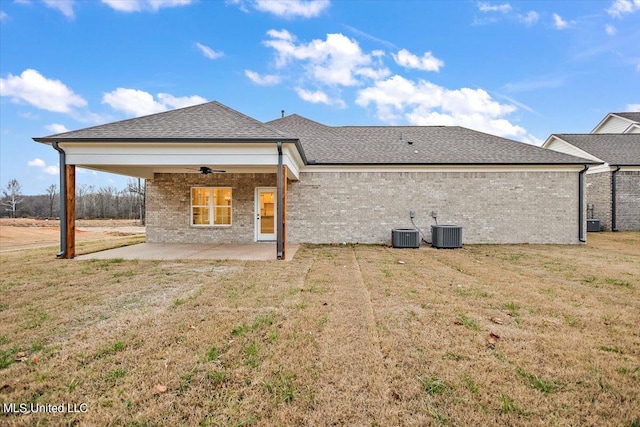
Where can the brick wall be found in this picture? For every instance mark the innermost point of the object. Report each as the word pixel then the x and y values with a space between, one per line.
pixel 363 207
pixel 169 204
pixel 598 193
pixel 628 200
pixel 492 207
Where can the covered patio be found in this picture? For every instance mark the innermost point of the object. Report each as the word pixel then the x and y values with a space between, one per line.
pixel 189 251
pixel 217 178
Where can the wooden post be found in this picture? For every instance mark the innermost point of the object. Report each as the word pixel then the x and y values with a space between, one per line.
pixel 70 195
pixel 284 210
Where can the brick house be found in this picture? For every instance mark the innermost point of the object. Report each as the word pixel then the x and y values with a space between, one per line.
pixel 216 175
pixel 612 188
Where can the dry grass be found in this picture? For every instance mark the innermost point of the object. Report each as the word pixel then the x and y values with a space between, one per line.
pixel 339 336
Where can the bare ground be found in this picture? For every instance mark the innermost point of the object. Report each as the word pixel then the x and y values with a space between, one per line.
pixel 26 233
pixel 348 335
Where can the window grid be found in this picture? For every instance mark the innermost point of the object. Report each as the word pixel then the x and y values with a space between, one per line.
pixel 211 206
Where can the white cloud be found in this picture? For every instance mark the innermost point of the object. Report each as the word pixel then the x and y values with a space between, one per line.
pixel 64 6
pixel 633 107
pixel 171 101
pixel 41 92
pixel 55 128
pixel 529 18
pixel 610 30
pixel 262 80
pixel 282 35
pixel 621 7
pixel 3 16
pixel 424 103
pixel 208 52
pixel 40 164
pixel 428 62
pixel 136 102
pixel 337 60
pixel 559 23
pixel 486 7
pixel 142 5
pixel 289 8
pixel 491 14
pixel 318 97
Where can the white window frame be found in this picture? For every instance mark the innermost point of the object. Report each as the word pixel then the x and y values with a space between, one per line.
pixel 212 207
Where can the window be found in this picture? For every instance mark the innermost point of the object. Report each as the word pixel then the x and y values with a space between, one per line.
pixel 210 206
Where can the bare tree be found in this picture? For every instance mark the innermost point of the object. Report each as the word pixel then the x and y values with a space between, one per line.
pixel 140 190
pixel 12 196
pixel 81 197
pixel 52 192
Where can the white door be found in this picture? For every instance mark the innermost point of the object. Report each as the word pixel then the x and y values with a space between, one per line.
pixel 265 214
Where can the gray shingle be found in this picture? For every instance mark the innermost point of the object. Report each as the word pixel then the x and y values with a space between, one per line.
pixel 633 116
pixel 435 145
pixel 210 121
pixel 615 149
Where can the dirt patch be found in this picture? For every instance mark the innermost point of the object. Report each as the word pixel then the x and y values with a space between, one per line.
pixel 23 233
pixel 349 335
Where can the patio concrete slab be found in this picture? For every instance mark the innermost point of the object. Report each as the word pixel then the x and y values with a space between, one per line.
pixel 175 251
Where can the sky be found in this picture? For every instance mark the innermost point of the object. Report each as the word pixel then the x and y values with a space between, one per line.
pixel 518 69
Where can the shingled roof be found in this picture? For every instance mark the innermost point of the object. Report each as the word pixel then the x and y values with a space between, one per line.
pixel 211 121
pixel 615 149
pixel 633 116
pixel 412 145
pixel 321 144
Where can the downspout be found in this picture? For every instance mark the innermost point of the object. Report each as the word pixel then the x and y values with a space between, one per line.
pixel 581 235
pixel 63 200
pixel 614 208
pixel 279 245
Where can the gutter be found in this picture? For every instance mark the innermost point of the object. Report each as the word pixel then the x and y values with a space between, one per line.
pixel 614 207
pixel 63 200
pixel 279 241
pixel 581 235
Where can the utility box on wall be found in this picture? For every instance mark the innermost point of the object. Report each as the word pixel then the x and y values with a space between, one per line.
pixel 405 238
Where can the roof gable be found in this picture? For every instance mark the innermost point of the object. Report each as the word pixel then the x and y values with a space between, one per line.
pixel 617 122
pixel 209 121
pixel 615 149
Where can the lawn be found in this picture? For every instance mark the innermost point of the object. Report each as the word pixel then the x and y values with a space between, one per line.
pixel 341 335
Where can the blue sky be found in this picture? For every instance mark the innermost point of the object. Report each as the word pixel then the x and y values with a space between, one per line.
pixel 518 69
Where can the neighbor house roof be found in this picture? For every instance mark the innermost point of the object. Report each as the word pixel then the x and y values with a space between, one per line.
pixel 633 116
pixel 416 145
pixel 211 121
pixel 615 149
pixel 618 122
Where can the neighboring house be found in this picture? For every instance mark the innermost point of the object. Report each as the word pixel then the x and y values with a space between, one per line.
pixel 297 180
pixel 612 188
pixel 619 123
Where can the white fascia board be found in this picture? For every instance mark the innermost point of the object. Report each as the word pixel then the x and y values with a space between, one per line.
pixel 629 168
pixel 442 168
pixel 560 145
pixel 112 156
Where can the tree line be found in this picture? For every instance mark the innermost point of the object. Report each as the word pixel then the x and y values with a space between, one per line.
pixel 106 202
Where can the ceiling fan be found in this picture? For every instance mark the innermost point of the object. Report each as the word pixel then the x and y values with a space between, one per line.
pixel 206 170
